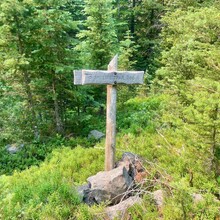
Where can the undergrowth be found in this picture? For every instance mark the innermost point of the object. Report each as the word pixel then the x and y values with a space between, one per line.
pixel 173 161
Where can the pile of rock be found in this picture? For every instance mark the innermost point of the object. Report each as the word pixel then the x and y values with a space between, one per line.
pixel 106 186
pixel 119 187
pixel 115 186
pixel 134 165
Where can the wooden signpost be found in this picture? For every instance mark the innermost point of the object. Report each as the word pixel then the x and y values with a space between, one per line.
pixel 111 78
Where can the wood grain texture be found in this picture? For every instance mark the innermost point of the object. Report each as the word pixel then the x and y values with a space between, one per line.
pixel 112 77
pixel 77 77
pixel 111 120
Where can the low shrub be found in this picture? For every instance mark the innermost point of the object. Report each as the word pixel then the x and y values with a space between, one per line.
pixel 47 191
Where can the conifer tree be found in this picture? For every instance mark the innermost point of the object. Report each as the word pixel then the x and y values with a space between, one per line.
pixel 99 38
pixel 190 77
pixel 98 44
pixel 37 60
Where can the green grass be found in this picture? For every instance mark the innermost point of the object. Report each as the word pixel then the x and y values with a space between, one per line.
pixel 173 159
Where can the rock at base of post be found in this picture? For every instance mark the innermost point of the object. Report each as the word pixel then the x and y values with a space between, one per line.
pixel 109 186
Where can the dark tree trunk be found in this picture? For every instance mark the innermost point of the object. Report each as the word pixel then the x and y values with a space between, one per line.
pixel 215 162
pixel 31 106
pixel 132 25
pixel 26 82
pixel 58 120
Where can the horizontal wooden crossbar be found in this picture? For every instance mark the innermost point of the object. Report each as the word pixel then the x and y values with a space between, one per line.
pixel 103 77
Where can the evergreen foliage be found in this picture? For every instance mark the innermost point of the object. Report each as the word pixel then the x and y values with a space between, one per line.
pixel 38 62
pixel 191 76
pixel 98 40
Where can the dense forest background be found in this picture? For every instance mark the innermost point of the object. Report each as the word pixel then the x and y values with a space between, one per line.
pixel 172 120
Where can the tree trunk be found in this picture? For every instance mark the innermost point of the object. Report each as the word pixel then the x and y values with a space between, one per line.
pixel 58 120
pixel 132 25
pixel 33 120
pixel 26 82
pixel 214 139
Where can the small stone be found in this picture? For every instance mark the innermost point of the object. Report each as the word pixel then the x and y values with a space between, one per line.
pixel 83 191
pixel 197 198
pixel 119 210
pixel 134 164
pixel 14 148
pixel 96 134
pixel 140 176
pixel 158 198
pixel 130 156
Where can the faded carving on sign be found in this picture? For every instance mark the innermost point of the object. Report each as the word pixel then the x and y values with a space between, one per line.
pixel 111 78
pixel 85 77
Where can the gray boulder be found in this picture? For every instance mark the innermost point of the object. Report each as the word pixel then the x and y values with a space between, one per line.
pixel 115 185
pixel 109 186
pixel 96 134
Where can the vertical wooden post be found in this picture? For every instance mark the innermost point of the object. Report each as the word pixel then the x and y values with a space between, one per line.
pixel 111 119
pixel 111 78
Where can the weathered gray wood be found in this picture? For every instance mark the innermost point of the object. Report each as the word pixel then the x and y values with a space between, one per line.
pixel 111 120
pixel 131 77
pixel 77 77
pixel 111 77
